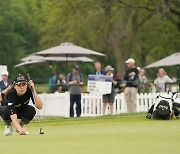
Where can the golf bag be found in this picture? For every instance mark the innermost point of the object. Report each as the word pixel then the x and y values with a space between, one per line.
pixel 163 107
pixel 176 97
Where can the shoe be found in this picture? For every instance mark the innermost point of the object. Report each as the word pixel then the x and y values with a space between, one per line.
pixel 8 131
pixel 148 115
pixel 26 133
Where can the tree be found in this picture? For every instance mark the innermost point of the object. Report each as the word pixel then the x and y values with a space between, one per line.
pixel 20 33
pixel 100 25
pixel 168 8
pixel 146 30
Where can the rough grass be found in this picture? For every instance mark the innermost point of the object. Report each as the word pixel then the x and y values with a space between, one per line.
pixel 122 134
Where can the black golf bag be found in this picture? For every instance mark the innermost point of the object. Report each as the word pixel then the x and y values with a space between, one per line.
pixel 163 107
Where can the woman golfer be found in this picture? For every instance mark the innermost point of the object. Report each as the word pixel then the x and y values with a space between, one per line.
pixel 17 105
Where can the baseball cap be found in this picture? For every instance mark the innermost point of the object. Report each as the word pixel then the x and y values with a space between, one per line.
pixel 130 60
pixel 76 67
pixel 5 73
pixel 109 68
pixel 19 79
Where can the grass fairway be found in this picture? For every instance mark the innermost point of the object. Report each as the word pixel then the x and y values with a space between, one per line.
pixel 122 134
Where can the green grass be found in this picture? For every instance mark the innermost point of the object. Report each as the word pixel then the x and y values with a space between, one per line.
pixel 122 134
pixel 43 88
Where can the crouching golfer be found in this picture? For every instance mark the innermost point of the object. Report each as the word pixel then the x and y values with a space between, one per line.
pixel 16 107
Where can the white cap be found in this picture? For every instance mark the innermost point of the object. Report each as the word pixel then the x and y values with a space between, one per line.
pixel 5 73
pixel 109 68
pixel 130 60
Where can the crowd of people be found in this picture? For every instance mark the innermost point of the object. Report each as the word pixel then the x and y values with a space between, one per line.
pixel 134 81
pixel 15 96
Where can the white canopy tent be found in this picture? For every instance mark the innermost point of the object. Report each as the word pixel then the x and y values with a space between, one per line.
pixel 68 50
pixel 171 60
pixel 33 59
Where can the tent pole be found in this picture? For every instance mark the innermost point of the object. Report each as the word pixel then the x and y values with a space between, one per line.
pixel 57 69
pixel 66 64
pixel 178 73
pixel 50 68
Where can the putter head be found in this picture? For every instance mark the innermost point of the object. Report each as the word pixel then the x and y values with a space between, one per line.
pixel 41 132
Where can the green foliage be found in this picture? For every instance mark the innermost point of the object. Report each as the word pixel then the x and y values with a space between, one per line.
pixel 142 29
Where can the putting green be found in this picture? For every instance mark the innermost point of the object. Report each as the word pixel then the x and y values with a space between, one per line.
pixel 123 134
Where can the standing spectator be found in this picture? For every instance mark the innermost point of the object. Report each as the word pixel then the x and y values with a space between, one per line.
pixel 98 70
pixel 161 80
pixel 109 98
pixel 4 84
pixel 143 81
pixel 131 90
pixel 75 81
pixel 52 84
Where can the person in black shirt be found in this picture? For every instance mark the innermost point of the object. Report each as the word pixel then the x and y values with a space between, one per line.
pixel 131 90
pixel 17 105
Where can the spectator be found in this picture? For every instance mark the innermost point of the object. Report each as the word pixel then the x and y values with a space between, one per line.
pixel 52 84
pixel 143 81
pixel 161 80
pixel 75 81
pixel 61 82
pixel 98 70
pixel 130 77
pixel 59 89
pixel 109 98
pixel 119 86
pixel 4 84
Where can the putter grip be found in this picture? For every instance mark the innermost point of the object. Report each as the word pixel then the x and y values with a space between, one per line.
pixel 28 79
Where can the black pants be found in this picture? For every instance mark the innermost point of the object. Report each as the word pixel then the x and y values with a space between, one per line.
pixel 75 99
pixel 26 114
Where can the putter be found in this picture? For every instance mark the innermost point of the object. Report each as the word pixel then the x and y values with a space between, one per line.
pixel 40 130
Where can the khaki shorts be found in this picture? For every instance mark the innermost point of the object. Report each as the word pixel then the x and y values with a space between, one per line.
pixel 108 98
